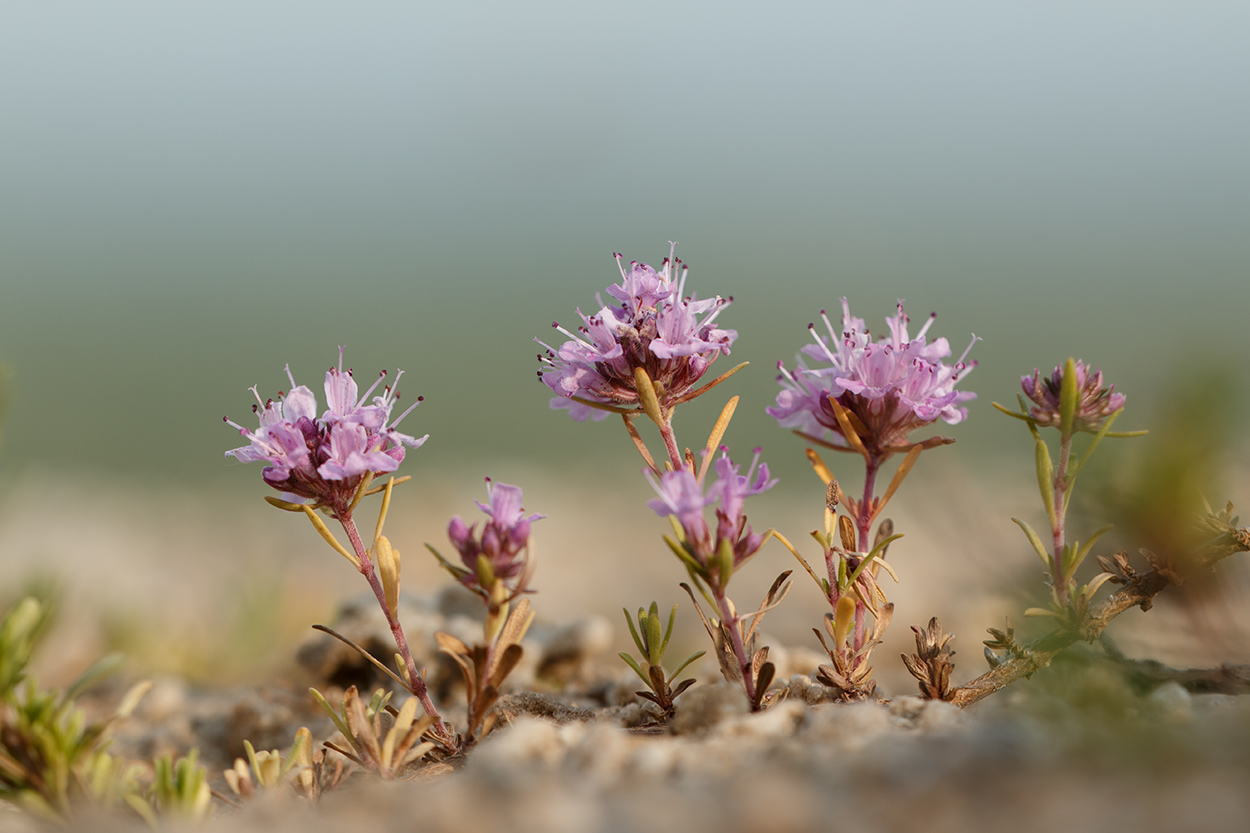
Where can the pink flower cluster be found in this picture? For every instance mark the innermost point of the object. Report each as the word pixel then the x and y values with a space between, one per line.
pixel 322 459
pixel 1094 404
pixel 654 327
pixel 502 539
pixel 683 497
pixel 888 387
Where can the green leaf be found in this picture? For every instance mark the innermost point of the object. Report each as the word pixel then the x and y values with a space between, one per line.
pixel 633 631
pixel 334 716
pixel 655 636
pixel 882 544
pixel 672 617
pixel 725 554
pixel 1102 432
pixel 1035 541
pixel 1021 417
pixel 1084 551
pixel 1069 396
pixel 632 663
pixel 689 660
pixel 1046 478
pixel 1067 559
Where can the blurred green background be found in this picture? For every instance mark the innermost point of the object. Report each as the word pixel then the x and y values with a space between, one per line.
pixel 194 195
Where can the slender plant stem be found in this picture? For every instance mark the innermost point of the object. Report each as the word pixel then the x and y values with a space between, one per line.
pixel 670 444
pixel 864 521
pixel 863 524
pixel 1057 530
pixel 729 620
pixel 392 619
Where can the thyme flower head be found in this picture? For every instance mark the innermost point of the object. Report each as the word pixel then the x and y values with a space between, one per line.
pixel 654 327
pixel 501 541
pixel 323 459
pixel 684 498
pixel 1094 403
pixel 888 387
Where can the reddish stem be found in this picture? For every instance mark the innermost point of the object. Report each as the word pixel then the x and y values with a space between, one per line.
pixel 415 681
pixel 863 524
pixel 1057 529
pixel 730 620
pixel 670 444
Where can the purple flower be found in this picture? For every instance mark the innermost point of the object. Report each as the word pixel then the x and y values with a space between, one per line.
pixel 1094 404
pixel 655 327
pixel 889 387
pixel 324 459
pixel 681 496
pixel 503 539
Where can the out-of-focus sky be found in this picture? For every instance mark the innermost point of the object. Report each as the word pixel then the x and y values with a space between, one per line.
pixel 193 195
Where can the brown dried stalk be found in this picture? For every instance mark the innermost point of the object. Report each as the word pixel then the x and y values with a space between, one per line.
pixel 485 667
pixel 931 664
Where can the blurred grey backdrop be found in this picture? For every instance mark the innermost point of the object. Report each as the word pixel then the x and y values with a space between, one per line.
pixel 193 195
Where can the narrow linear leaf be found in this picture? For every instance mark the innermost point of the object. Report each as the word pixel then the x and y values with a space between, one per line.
pixel 633 631
pixel 632 663
pixel 848 430
pixel 325 533
pixel 1021 417
pixel 1035 541
pixel 903 469
pixel 640 445
pixel 718 431
pixel 1045 478
pixel 1069 396
pixel 731 371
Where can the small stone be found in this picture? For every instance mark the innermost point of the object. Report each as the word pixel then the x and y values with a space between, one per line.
pixel 775 722
pixel 1173 702
pixel 702 707
pixel 526 742
pixel 567 650
pixel 906 709
pixel 801 687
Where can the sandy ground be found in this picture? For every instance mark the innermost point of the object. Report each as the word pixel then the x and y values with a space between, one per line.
pixel 217 592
